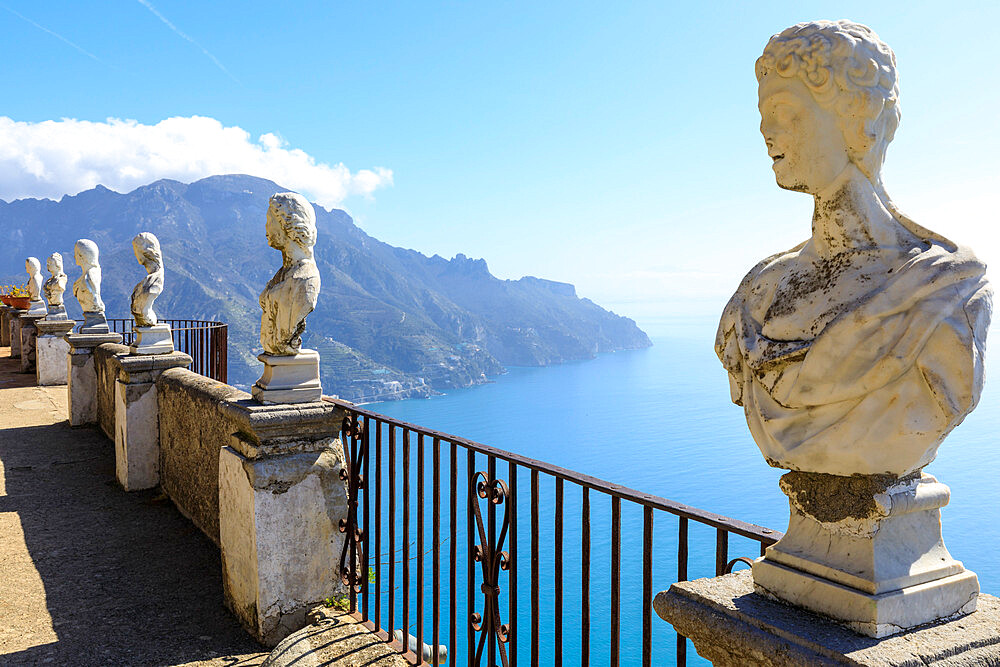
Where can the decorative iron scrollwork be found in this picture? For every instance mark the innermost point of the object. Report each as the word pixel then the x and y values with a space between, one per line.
pixel 493 560
pixel 352 429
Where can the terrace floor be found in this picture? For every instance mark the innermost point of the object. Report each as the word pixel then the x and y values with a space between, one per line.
pixel 89 574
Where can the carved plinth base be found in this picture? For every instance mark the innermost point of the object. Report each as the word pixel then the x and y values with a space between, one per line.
pixel 156 339
pixel 55 313
pixel 867 551
pixel 37 308
pixel 94 323
pixel 289 379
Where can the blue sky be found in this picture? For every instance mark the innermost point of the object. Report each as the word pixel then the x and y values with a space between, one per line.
pixel 611 145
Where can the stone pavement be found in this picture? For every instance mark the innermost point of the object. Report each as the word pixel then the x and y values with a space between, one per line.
pixel 89 574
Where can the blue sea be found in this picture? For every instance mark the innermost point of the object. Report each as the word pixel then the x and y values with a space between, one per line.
pixel 658 420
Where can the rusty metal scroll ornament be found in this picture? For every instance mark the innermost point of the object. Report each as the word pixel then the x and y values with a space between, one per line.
pixel 493 560
pixel 352 430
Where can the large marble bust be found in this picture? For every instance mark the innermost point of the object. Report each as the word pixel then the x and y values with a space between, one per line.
pixel 292 292
pixel 34 270
pixel 56 284
pixel 87 288
pixel 147 251
pixel 860 349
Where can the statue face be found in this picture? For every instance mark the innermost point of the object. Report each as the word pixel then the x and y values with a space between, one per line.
pixel 803 139
pixel 52 266
pixel 274 231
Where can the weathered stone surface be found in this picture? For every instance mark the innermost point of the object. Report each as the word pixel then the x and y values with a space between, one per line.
pixel 51 349
pixel 107 363
pixel 731 625
pixel 137 429
pixel 14 316
pixel 333 638
pixel 29 334
pixel 267 430
pixel 4 325
pixel 83 388
pixel 278 529
pixel 193 428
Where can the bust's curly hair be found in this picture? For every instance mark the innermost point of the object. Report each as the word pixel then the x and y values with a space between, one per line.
pixel 149 246
pixel 849 71
pixel 296 216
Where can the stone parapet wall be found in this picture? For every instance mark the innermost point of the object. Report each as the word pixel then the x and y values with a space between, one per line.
pixel 193 428
pixel 107 366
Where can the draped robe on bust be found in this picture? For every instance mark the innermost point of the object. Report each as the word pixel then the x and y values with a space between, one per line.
pixel 878 389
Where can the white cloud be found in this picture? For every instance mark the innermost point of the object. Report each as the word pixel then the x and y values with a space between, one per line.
pixel 52 158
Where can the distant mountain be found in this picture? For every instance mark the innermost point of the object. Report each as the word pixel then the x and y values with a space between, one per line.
pixel 390 322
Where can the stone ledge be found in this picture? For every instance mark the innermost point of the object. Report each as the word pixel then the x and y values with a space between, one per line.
pixel 265 430
pixel 731 625
pixel 143 368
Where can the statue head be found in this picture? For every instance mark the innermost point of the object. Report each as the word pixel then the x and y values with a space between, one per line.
pixel 32 266
pixel 54 264
pixel 147 251
pixel 828 97
pixel 291 219
pixel 85 253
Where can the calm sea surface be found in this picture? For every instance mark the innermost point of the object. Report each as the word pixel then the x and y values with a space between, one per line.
pixel 660 421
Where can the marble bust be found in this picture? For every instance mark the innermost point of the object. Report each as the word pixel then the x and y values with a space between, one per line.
pixel 292 292
pixel 87 288
pixel 859 349
pixel 291 373
pixel 55 286
pixel 152 336
pixel 34 287
pixel 856 352
pixel 147 251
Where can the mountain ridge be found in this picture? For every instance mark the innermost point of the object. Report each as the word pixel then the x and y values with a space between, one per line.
pixel 390 323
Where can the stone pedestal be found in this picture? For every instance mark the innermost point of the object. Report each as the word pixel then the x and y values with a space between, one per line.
pixel 289 379
pixel 733 626
pixel 37 308
pixel 867 551
pixel 156 339
pixel 28 335
pixel 14 316
pixel 281 499
pixel 56 313
pixel 4 325
pixel 51 349
pixel 82 376
pixel 137 429
pixel 94 323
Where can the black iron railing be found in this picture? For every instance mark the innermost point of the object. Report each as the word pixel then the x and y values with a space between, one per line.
pixel 486 616
pixel 206 342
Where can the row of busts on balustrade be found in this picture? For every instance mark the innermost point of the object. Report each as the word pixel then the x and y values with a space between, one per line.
pixel 291 373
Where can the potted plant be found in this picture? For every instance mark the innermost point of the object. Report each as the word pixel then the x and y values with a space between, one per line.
pixel 18 298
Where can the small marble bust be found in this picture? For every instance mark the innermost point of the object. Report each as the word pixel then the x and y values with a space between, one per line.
pixel 87 288
pixel 34 268
pixel 293 291
pixel 860 349
pixel 56 284
pixel 147 251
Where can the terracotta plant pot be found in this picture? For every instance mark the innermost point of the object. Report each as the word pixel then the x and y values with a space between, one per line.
pixel 19 302
pixel 5 298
